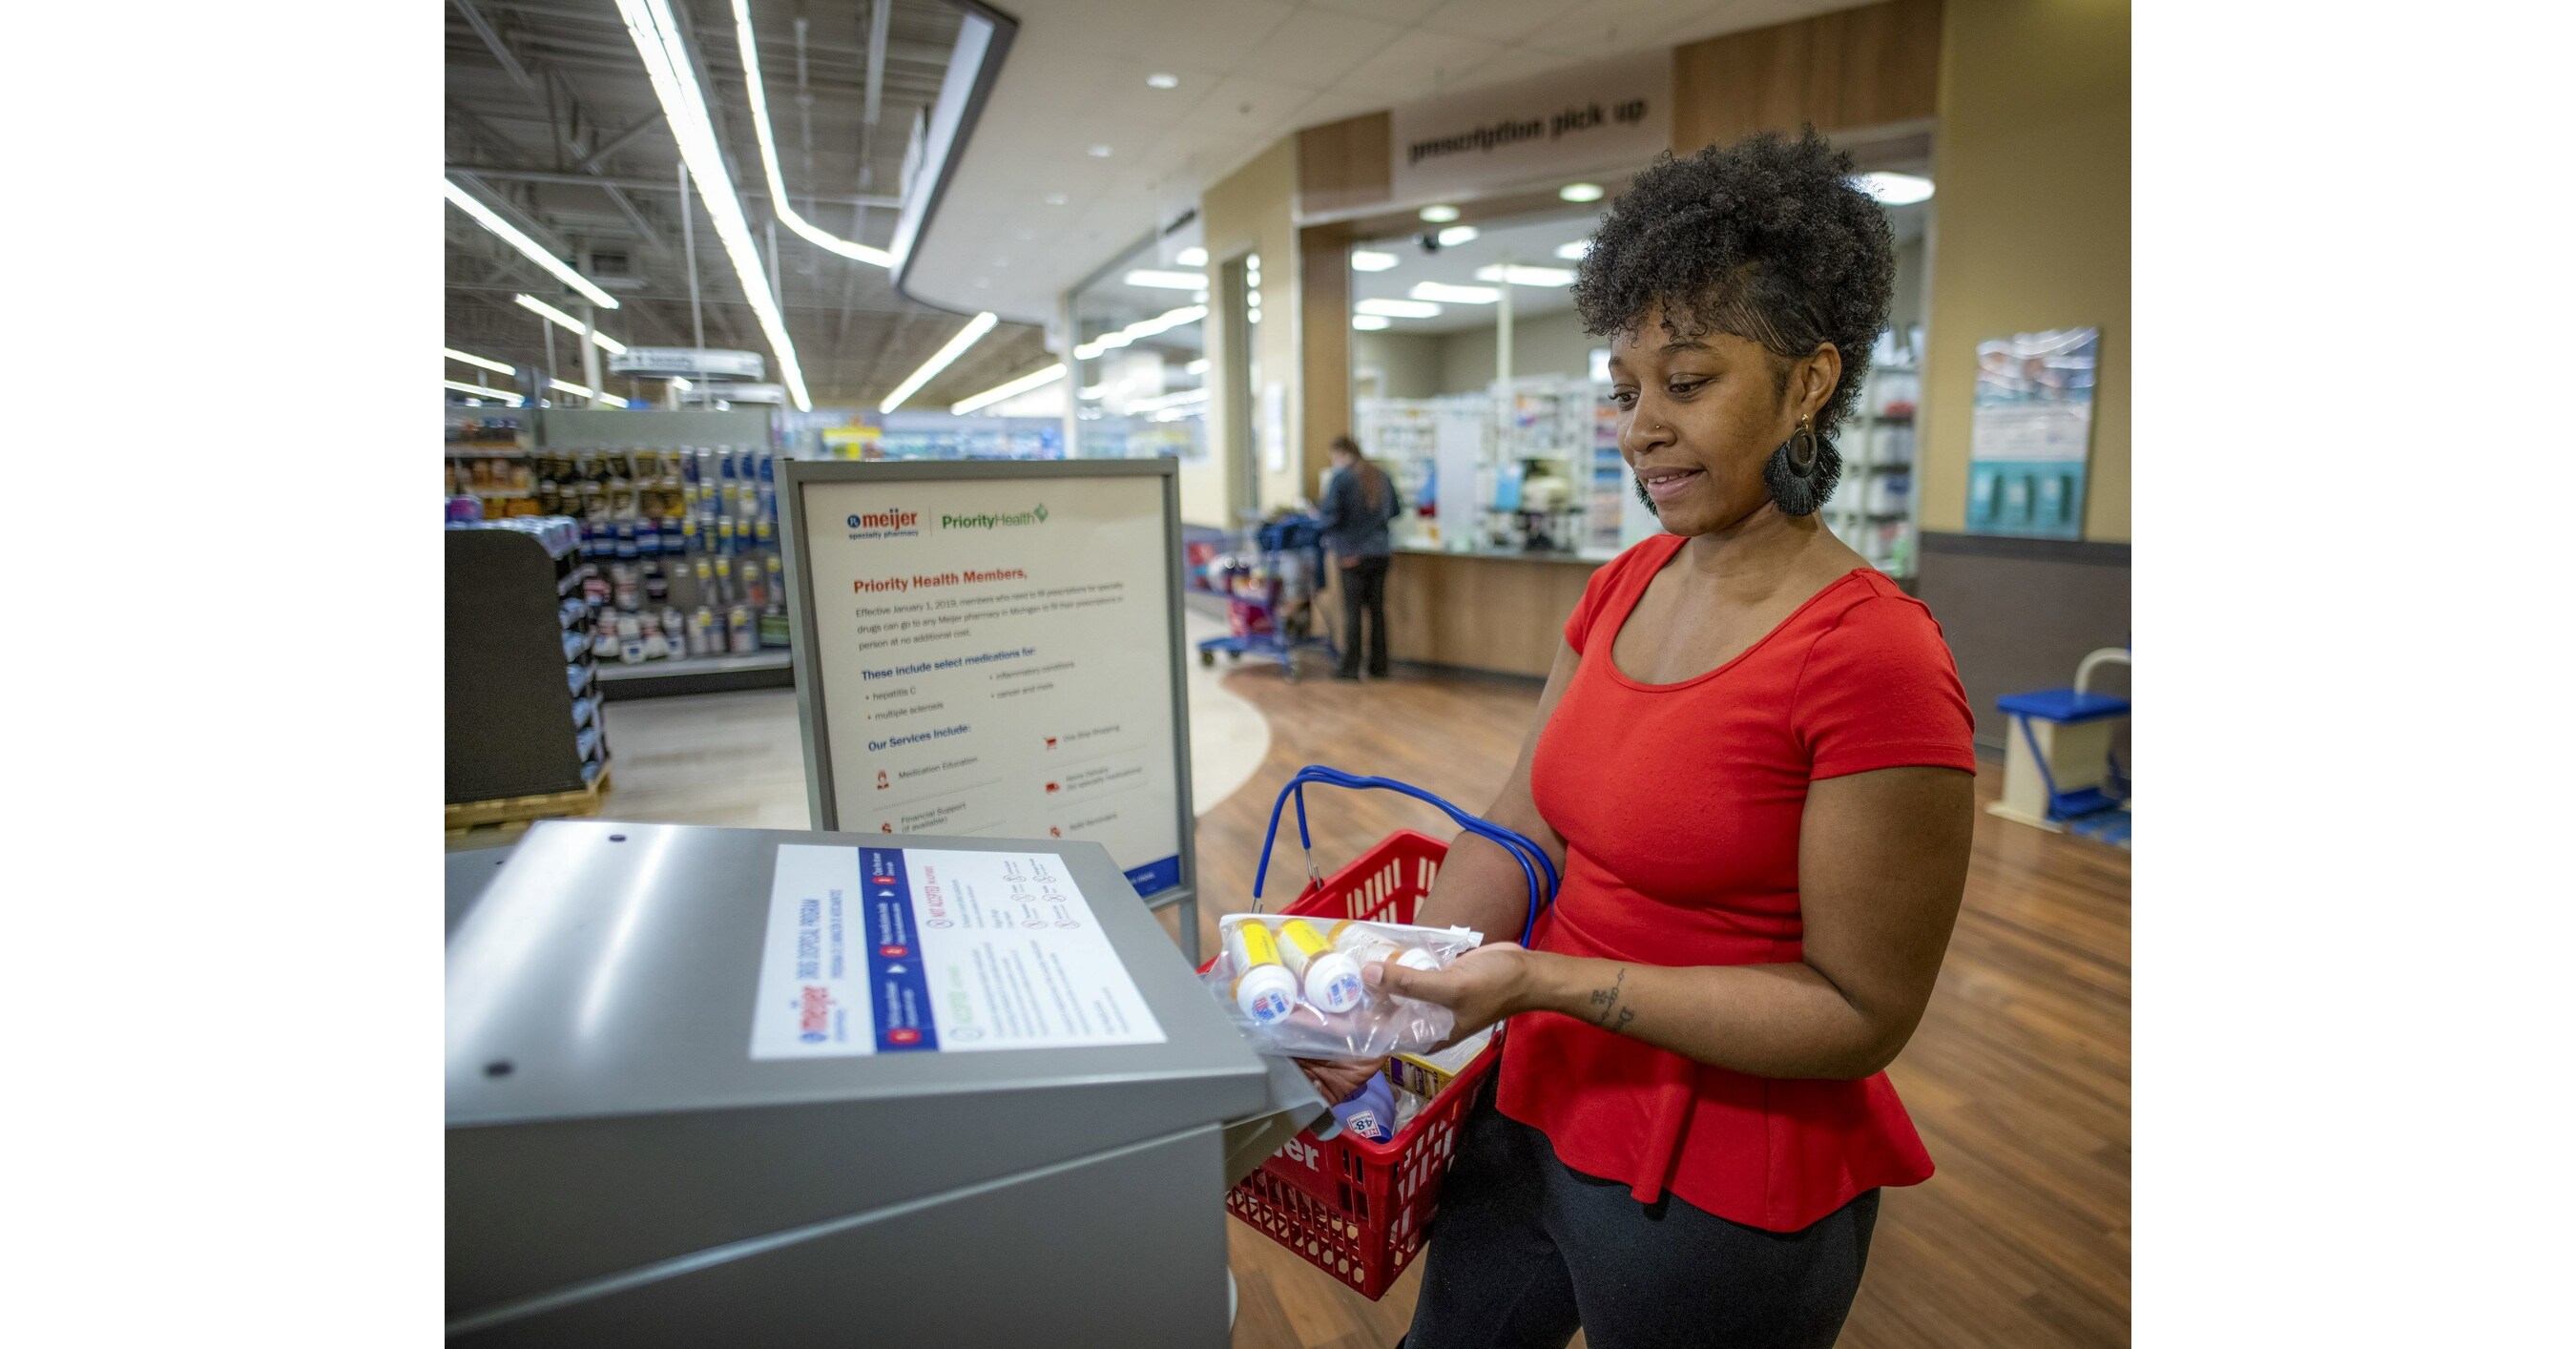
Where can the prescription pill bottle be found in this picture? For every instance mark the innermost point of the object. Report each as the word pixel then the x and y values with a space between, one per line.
pixel 1331 979
pixel 1263 987
pixel 1366 945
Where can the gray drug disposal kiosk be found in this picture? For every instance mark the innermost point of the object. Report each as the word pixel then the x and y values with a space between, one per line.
pixel 752 1087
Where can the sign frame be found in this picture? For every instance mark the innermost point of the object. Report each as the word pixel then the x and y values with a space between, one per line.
pixel 812 717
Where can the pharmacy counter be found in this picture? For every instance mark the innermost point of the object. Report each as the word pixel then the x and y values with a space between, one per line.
pixel 1491 610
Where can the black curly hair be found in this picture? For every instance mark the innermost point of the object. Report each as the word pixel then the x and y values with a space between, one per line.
pixel 1767 239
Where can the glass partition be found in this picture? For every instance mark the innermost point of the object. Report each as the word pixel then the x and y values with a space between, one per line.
pixel 1140 355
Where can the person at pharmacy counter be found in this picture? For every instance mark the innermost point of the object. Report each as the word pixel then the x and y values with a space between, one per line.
pixel 1358 502
pixel 1753 758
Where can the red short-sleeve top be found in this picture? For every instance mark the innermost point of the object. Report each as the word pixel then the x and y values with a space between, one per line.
pixel 1680 807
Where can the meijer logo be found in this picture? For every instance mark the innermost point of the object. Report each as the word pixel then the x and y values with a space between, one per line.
pixel 886 520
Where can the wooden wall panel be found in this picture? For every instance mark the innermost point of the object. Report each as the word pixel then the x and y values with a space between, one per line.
pixel 1343 164
pixel 1853 68
pixel 1324 345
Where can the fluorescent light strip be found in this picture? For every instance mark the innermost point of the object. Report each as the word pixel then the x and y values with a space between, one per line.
pixel 1456 235
pixel 1160 280
pixel 1169 400
pixel 1399 309
pixel 1369 323
pixel 759 94
pixel 1527 276
pixel 966 337
pixel 1441 290
pixel 563 320
pixel 490 220
pixel 462 387
pixel 471 359
pixel 658 41
pixel 1037 379
pixel 1370 260
pixel 1142 328
pixel 1571 252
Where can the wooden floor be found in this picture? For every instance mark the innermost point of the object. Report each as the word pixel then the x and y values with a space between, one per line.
pixel 2018 1078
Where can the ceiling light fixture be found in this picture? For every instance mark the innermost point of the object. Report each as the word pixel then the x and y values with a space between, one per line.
pixel 1574 250
pixel 569 387
pixel 1456 235
pixel 1036 379
pixel 478 390
pixel 563 320
pixel 1441 290
pixel 1169 400
pixel 1142 328
pixel 491 220
pixel 1197 367
pixel 1369 323
pixel 1192 256
pixel 1399 309
pixel 1439 215
pixel 1370 260
pixel 1527 276
pixel 659 41
pixel 1580 192
pixel 470 359
pixel 1895 189
pixel 966 337
pixel 1159 80
pixel 1159 280
pixel 758 93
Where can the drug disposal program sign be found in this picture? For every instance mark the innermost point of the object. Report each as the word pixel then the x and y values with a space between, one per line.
pixel 995 657
pixel 917 950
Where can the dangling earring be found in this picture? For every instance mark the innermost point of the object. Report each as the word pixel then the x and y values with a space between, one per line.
pixel 1803 472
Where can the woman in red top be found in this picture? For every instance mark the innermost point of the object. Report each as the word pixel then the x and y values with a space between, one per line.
pixel 1752 758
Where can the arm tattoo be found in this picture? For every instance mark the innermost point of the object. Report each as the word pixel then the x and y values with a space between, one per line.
pixel 1607 999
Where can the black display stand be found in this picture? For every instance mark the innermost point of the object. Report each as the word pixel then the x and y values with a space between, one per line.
pixel 523 694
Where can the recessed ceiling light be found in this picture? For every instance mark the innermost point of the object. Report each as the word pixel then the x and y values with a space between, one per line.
pixel 1580 192
pixel 1527 276
pixel 1369 323
pixel 1399 309
pixel 1192 256
pixel 1439 215
pixel 1441 290
pixel 1456 235
pixel 1162 81
pixel 1158 280
pixel 1197 367
pixel 1895 189
pixel 1100 152
pixel 1574 250
pixel 1057 199
pixel 1370 260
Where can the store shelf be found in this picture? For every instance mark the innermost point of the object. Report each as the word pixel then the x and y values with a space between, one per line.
pixel 770 668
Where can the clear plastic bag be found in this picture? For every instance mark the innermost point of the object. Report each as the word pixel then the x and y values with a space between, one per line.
pixel 1292 985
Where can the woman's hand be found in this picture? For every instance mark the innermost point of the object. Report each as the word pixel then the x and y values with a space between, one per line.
pixel 1335 1080
pixel 1481 987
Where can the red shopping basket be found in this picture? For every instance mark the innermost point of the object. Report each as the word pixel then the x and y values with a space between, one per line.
pixel 1355 1209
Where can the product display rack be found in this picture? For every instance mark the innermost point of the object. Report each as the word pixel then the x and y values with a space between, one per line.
pixel 523 693
pixel 682 571
pixel 1873 507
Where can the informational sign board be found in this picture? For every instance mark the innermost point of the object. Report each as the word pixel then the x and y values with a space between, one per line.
pixel 687 363
pixel 994 648
pixel 1615 114
pixel 2031 432
pixel 916 950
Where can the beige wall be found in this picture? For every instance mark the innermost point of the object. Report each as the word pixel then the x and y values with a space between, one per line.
pixel 1553 345
pixel 2031 222
pixel 1408 364
pixel 1249 212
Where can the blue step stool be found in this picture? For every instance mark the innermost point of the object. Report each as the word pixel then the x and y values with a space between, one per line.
pixel 2058 770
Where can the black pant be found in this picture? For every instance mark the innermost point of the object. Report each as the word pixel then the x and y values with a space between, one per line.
pixel 1524 1250
pixel 1364 592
